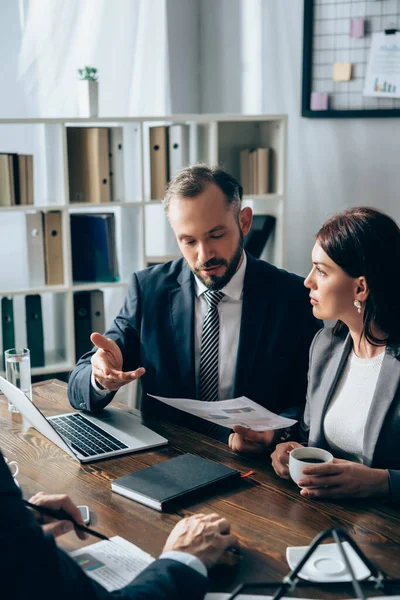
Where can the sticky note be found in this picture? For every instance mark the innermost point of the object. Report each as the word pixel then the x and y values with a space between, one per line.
pixel 357 28
pixel 341 71
pixel 319 101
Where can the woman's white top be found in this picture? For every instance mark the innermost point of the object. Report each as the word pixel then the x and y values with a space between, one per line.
pixel 348 410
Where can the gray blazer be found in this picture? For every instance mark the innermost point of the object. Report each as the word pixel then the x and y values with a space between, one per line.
pixel 381 444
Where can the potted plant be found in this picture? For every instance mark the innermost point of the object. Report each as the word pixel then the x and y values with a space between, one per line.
pixel 88 93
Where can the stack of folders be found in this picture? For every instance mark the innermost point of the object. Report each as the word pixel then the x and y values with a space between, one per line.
pixel 255 170
pixel 261 229
pixel 34 327
pixel 88 317
pixel 169 153
pixel 94 255
pixel 44 248
pixel 95 164
pixel 16 179
pixel 175 482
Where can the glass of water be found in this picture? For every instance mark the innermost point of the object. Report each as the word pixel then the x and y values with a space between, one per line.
pixel 18 371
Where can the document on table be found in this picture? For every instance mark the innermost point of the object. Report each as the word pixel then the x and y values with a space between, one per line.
pixel 113 564
pixel 239 411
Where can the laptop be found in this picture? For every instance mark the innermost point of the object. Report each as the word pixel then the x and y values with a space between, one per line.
pixel 86 437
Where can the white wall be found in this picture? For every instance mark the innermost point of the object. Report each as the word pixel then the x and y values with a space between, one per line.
pixel 219 57
pixel 333 163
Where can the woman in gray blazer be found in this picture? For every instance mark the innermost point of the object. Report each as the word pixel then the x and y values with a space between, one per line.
pixel 353 394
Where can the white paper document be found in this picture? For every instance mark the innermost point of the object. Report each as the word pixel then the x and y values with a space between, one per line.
pixel 383 69
pixel 239 411
pixel 113 564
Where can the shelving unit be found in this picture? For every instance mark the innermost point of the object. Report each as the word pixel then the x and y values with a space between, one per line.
pixel 142 231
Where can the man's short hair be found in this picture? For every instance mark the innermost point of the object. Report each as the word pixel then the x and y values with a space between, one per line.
pixel 192 181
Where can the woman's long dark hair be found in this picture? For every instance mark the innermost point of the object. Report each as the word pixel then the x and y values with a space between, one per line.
pixel 366 242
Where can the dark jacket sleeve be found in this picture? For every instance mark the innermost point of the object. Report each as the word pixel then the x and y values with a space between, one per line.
pixel 125 331
pixel 32 566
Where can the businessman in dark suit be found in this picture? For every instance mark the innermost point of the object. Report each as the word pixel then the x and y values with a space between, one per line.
pixel 214 325
pixel 32 566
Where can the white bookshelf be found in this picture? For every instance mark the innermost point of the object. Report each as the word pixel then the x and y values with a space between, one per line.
pixel 142 231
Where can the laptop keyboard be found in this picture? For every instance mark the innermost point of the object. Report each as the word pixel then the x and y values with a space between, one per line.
pixel 84 436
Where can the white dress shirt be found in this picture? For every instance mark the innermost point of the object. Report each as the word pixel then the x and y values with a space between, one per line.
pixel 230 317
pixel 347 415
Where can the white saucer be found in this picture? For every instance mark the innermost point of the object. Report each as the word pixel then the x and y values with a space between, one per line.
pixel 326 563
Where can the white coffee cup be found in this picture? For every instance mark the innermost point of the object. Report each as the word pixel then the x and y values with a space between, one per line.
pixel 14 464
pixel 300 458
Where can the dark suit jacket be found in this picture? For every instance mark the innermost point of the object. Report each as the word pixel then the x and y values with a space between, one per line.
pixel 155 329
pixel 381 444
pixel 32 566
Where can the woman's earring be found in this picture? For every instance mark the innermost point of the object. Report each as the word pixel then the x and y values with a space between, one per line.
pixel 357 304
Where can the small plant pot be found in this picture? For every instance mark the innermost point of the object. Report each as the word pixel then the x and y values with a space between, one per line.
pixel 88 98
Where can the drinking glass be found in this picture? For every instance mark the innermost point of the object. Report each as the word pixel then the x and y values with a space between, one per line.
pixel 18 371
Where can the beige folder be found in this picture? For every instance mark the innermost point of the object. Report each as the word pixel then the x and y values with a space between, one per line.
pixel 158 161
pixel 5 181
pixel 88 164
pixel 253 170
pixel 245 170
pixel 53 248
pixel 262 170
pixel 29 178
pixel 23 183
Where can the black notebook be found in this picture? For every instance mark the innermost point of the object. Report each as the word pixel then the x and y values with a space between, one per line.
pixel 176 481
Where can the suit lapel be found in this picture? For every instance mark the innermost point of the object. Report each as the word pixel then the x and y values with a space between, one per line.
pixel 254 311
pixel 181 302
pixel 386 387
pixel 327 386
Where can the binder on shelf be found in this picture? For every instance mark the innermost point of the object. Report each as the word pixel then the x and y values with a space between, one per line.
pixel 116 145
pixel 88 164
pixel 82 325
pixel 14 175
pixel 159 161
pixel 7 325
pixel 178 148
pixel 53 248
pixel 245 170
pixel 6 188
pixel 23 180
pixel 261 229
pixel 93 247
pixel 29 178
pixel 262 170
pixel 97 316
pixel 35 249
pixel 34 329
pixel 254 170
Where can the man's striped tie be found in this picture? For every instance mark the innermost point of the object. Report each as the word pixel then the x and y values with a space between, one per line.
pixel 209 374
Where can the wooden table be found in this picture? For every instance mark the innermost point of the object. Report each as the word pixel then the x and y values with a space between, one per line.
pixel 267 513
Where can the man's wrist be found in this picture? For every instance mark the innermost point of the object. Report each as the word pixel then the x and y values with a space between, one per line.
pixel 380 483
pixel 97 387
